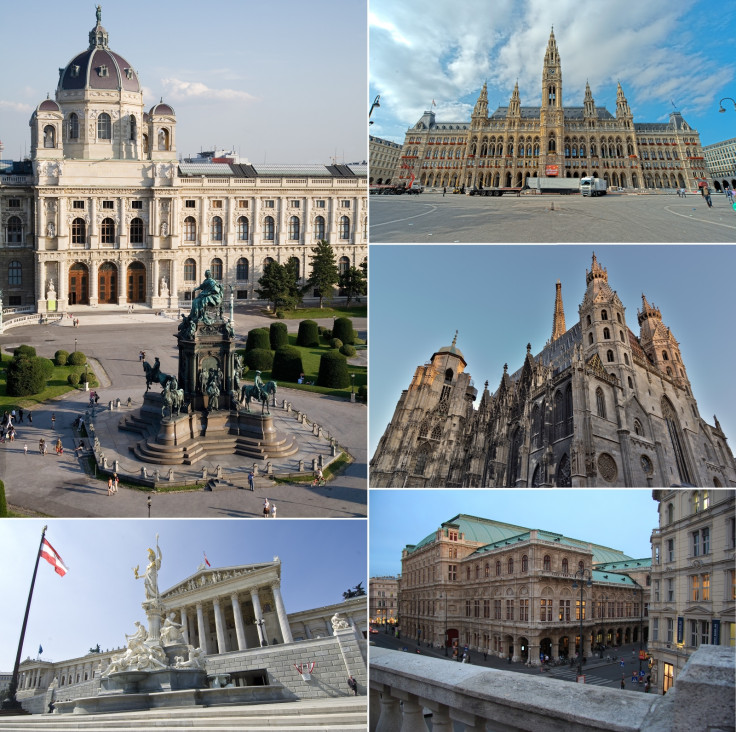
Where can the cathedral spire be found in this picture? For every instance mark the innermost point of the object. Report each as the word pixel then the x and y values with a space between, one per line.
pixel 514 103
pixel 622 106
pixel 558 320
pixel 551 56
pixel 480 111
pixel 596 272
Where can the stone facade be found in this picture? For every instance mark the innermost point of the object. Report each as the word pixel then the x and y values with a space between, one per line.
pixel 516 142
pixel 720 157
pixel 105 214
pixel 598 406
pixel 693 578
pixel 383 157
pixel 508 591
pixel 383 600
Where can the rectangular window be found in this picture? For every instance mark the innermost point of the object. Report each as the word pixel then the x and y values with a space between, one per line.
pixel 509 609
pixel 668 679
pixel 268 203
pixel 452 572
pixel 294 204
pixel 476 608
pixel 656 554
pixel 656 590
pixel 108 204
pixel 79 205
pixel 671 590
pixel 705 582
pixel 344 204
pixel 242 204
pixel 696 543
pixel 704 632
pixel 136 204
pixel 524 610
pixel 14 203
pixel 497 610
pixel 695 588
pixel 670 630
pixel 216 204
pixel 467 608
pixel 189 203
pixel 14 300
pixel 486 608
pixel 670 550
pixel 705 535
pixel 564 615
pixel 319 203
pixel 655 629
pixel 694 633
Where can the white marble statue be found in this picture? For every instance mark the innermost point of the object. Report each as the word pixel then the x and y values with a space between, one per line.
pixel 50 229
pixel 196 659
pixel 150 577
pixel 171 631
pixel 51 290
pixel 164 283
pixel 339 623
pixel 164 229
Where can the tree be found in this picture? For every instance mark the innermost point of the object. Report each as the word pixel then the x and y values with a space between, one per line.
pixel 353 284
pixel 279 285
pixel 324 271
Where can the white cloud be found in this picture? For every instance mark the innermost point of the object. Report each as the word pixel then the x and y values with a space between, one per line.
pixel 178 89
pixel 16 106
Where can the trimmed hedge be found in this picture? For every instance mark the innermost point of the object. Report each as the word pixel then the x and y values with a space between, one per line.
pixel 343 329
pixel 335 343
pixel 259 359
pixel 61 358
pixel 287 364
pixel 308 336
pixel 363 392
pixel 278 335
pixel 333 371
pixel 77 358
pixel 348 350
pixel 3 502
pixel 24 352
pixel 25 376
pixel 47 365
pixel 72 379
pixel 258 338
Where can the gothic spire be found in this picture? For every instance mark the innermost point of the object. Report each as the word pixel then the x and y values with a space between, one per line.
pixel 596 272
pixel 558 320
pixel 481 106
pixel 552 56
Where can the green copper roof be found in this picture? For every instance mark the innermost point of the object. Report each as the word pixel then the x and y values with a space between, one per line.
pixel 476 529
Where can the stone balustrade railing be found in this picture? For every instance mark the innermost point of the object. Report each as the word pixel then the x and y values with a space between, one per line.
pixel 406 687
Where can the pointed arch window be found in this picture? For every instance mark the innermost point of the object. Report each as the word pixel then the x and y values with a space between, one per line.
pixel 559 415
pixel 600 402
pixel 673 428
pixel 568 410
pixel 104 127
pixel 513 467
pixel 422 459
pixel 242 228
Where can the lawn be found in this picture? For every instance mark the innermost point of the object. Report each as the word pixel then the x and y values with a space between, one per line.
pixel 335 311
pixel 55 386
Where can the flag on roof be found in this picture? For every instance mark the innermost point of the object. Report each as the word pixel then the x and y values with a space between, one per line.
pixel 52 557
pixel 206 561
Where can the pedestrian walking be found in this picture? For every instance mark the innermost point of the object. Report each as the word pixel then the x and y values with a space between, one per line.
pixel 266 508
pixel 250 480
pixel 53 420
pixel 353 684
pixel 705 192
pixel 20 414
pixel 273 510
pixel 623 682
pixel 115 481
pixel 25 449
pixel 444 190
pixel 30 417
pixel 109 486
pixel 97 397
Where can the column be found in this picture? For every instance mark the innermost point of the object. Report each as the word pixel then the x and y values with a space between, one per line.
pixel 239 628
pixel 219 627
pixel 63 285
pixel 184 624
pixel 307 632
pixel 41 286
pixel 259 615
pixel 328 625
pixel 173 284
pixel 154 279
pixel 281 612
pixel 93 294
pixel 201 629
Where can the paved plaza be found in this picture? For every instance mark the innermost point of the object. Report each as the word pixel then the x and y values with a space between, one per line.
pixel 617 217
pixel 58 486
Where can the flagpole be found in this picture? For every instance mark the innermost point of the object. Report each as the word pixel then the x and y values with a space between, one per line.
pixel 11 705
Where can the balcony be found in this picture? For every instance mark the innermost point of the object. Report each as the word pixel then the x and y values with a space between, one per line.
pixel 405 688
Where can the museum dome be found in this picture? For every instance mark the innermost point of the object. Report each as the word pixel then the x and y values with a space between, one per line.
pixel 161 108
pixel 98 67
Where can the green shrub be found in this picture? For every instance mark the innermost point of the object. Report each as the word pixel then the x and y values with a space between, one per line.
pixel 327 334
pixel 3 502
pixel 335 343
pixel 24 352
pixel 258 338
pixel 259 359
pixel 77 358
pixel 343 329
pixel 47 365
pixel 348 350
pixel 321 329
pixel 72 379
pixel 278 335
pixel 333 371
pixel 61 357
pixel 287 364
pixel 280 314
pixel 25 376
pixel 308 336
pixel 363 392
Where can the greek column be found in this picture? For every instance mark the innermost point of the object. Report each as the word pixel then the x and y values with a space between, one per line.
pixel 259 615
pixel 239 628
pixel 184 624
pixel 281 612
pixel 201 630
pixel 219 627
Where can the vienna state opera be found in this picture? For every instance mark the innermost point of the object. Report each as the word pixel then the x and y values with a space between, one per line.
pixel 517 142
pixel 599 406
pixel 104 213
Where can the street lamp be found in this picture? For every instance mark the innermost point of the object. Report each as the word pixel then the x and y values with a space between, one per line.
pixel 720 104
pixel 352 387
pixel 260 623
pixel 75 345
pixel 86 379
pixel 149 506
pixel 582 573
pixel 376 103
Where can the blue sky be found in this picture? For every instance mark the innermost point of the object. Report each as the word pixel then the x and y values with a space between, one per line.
pixel 98 600
pixel 500 298
pixel 622 519
pixel 659 50
pixel 282 82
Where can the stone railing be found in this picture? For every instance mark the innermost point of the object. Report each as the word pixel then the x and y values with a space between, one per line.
pixel 405 688
pixel 286 183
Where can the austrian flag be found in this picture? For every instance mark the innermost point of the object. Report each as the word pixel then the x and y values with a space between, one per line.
pixel 52 557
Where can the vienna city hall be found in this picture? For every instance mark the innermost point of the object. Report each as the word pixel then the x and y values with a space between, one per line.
pixel 104 213
pixel 598 406
pixel 517 142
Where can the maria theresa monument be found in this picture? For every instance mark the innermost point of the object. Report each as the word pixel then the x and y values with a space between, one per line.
pixel 598 406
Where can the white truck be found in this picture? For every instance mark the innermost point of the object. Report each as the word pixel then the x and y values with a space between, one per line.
pixel 554 185
pixel 593 186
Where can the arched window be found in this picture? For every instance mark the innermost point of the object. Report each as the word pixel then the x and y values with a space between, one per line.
pixel 621 336
pixel 600 402
pixel 638 429
pixel 618 317
pixel 241 269
pixel 242 229
pixel 137 235
pixel 588 319
pixel 477 571
pixel 145 143
pixel 498 568
pixel 15 273
pixel 524 563
pixel 190 229
pixel 343 265
pixel 163 139
pixel 670 513
pixel 104 127
pixel 268 230
pixel 14 230
pixel 547 562
pixel 79 231
pixel 673 427
pixel 590 338
pixel 49 136
pixel 559 415
pixel 437 433
pixel 319 228
pixel 133 128
pixel 295 265
pixel 568 410
pixel 628 378
pixel 73 126
pixel 294 228
pixel 665 357
pixel 510 568
pixel 606 334
pixel 604 315
pixel 216 229
pixel 609 356
pixel 107 231
pixel 565 566
pixel 581 566
pixel 190 270
pixel 344 227
pixel 216 269
pixel 421 464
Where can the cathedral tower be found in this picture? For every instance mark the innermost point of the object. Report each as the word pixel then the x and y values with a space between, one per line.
pixel 558 320
pixel 480 111
pixel 551 113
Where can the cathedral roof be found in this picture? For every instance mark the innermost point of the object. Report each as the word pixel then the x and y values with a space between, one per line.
pixel 535 113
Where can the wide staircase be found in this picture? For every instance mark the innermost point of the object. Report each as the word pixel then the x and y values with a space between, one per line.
pixel 344 713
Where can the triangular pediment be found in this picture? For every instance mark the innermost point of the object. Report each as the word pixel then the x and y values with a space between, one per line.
pixel 596 365
pixel 208 576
